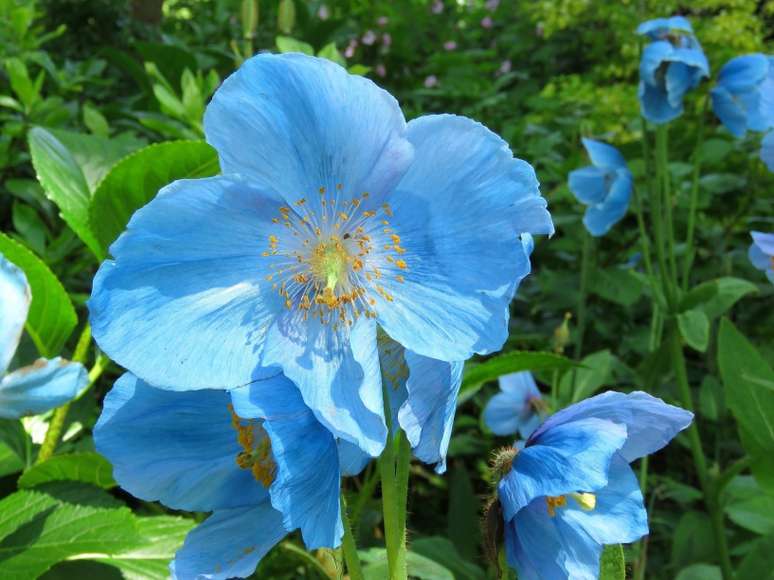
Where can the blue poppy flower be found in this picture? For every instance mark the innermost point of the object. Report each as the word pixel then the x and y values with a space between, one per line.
pixel 672 64
pixel 516 408
pixel 570 490
pixel 767 150
pixel 605 186
pixel 256 457
pixel 333 217
pixel 761 253
pixel 744 95
pixel 43 385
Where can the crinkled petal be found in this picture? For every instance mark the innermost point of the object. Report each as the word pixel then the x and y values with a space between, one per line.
pixel 228 544
pixel 564 459
pixel 743 73
pixel 729 111
pixel 40 387
pixel 301 123
pixel 653 56
pixel 337 372
pixel 306 482
pixel 459 212
pixel 655 105
pixel 178 448
pixel 767 150
pixel 619 515
pixel 427 415
pixel 603 155
pixel 186 304
pixel 589 184
pixel 600 218
pixel 15 298
pixel 650 422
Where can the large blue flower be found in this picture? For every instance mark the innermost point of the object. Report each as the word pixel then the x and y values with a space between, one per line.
pixel 570 490
pixel 256 457
pixel 761 253
pixel 744 95
pixel 605 186
pixel 767 150
pixel 672 64
pixel 516 408
pixel 333 218
pixel 43 385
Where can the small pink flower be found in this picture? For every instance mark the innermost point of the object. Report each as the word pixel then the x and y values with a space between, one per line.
pixel 450 45
pixel 380 70
pixel 431 81
pixel 486 22
pixel 387 39
pixel 382 21
pixel 323 13
pixel 505 67
pixel 437 7
pixel 492 5
pixel 369 38
pixel 349 52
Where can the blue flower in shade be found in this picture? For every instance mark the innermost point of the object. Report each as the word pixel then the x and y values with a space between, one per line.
pixel 605 186
pixel 767 150
pixel 570 490
pixel 45 384
pixel 516 408
pixel 761 253
pixel 744 95
pixel 256 457
pixel 333 218
pixel 672 64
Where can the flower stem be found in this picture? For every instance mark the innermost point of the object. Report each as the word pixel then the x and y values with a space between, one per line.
pixel 56 425
pixel 586 262
pixel 662 166
pixel 349 547
pixel 689 236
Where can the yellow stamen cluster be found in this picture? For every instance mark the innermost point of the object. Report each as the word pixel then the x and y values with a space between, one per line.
pixel 329 256
pixel 256 449
pixel 587 502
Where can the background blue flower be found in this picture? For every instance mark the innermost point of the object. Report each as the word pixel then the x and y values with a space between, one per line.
pixel 743 97
pixel 43 385
pixel 761 253
pixel 333 218
pixel 570 490
pixel 516 408
pixel 767 150
pixel 605 186
pixel 671 65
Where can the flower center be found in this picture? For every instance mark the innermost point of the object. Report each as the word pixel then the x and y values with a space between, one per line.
pixel 256 449
pixel 587 502
pixel 330 257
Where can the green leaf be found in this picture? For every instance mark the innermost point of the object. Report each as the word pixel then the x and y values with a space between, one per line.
pixel 700 572
pixel 286 16
pixel 476 375
pixel 52 317
pixel 162 536
pixel 694 328
pixel 419 567
pixel 716 297
pixel 621 286
pixel 136 180
pixel 288 44
pixel 463 516
pixel 692 540
pixel 750 507
pixel 594 372
pixel 87 467
pixel 745 375
pixel 21 84
pixel 612 565
pixel 330 52
pixel 16 439
pixel 711 398
pixel 759 561
pixel 441 550
pixel 95 121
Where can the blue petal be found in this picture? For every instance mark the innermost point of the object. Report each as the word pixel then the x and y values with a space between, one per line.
pixel 764 241
pixel 619 516
pixel 562 459
pixel 352 460
pixel 306 484
pixel 302 123
pixel 655 105
pixel 427 416
pixel 459 212
pixel 600 218
pixel 650 422
pixel 15 300
pixel 511 410
pixel 758 258
pixel 186 304
pixel 761 252
pixel 767 150
pixel 521 384
pixel 729 111
pixel 542 547
pixel 589 184
pixel 603 155
pixel 228 544
pixel 40 387
pixel 743 73
pixel 337 372
pixel 679 80
pixel 660 26
pixel 653 56
pixel 176 448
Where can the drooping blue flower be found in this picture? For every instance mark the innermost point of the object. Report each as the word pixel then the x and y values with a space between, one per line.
pixel 256 457
pixel 43 385
pixel 570 490
pixel 516 408
pixel 744 95
pixel 672 64
pixel 767 150
pixel 333 217
pixel 761 253
pixel 605 186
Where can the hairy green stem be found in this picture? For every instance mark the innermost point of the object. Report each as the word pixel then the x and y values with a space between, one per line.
pixel 689 236
pixel 348 545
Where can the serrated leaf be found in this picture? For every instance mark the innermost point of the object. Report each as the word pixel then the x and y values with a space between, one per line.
pixel 612 565
pixel 135 180
pixel 85 467
pixel 694 328
pixel 15 438
pixel 51 318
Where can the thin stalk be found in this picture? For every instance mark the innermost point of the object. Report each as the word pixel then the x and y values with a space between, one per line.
pixel 662 165
pixel 644 240
pixel 349 547
pixel 56 425
pixel 305 557
pixel 694 438
pixel 642 555
pixel 689 250
pixel 658 230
